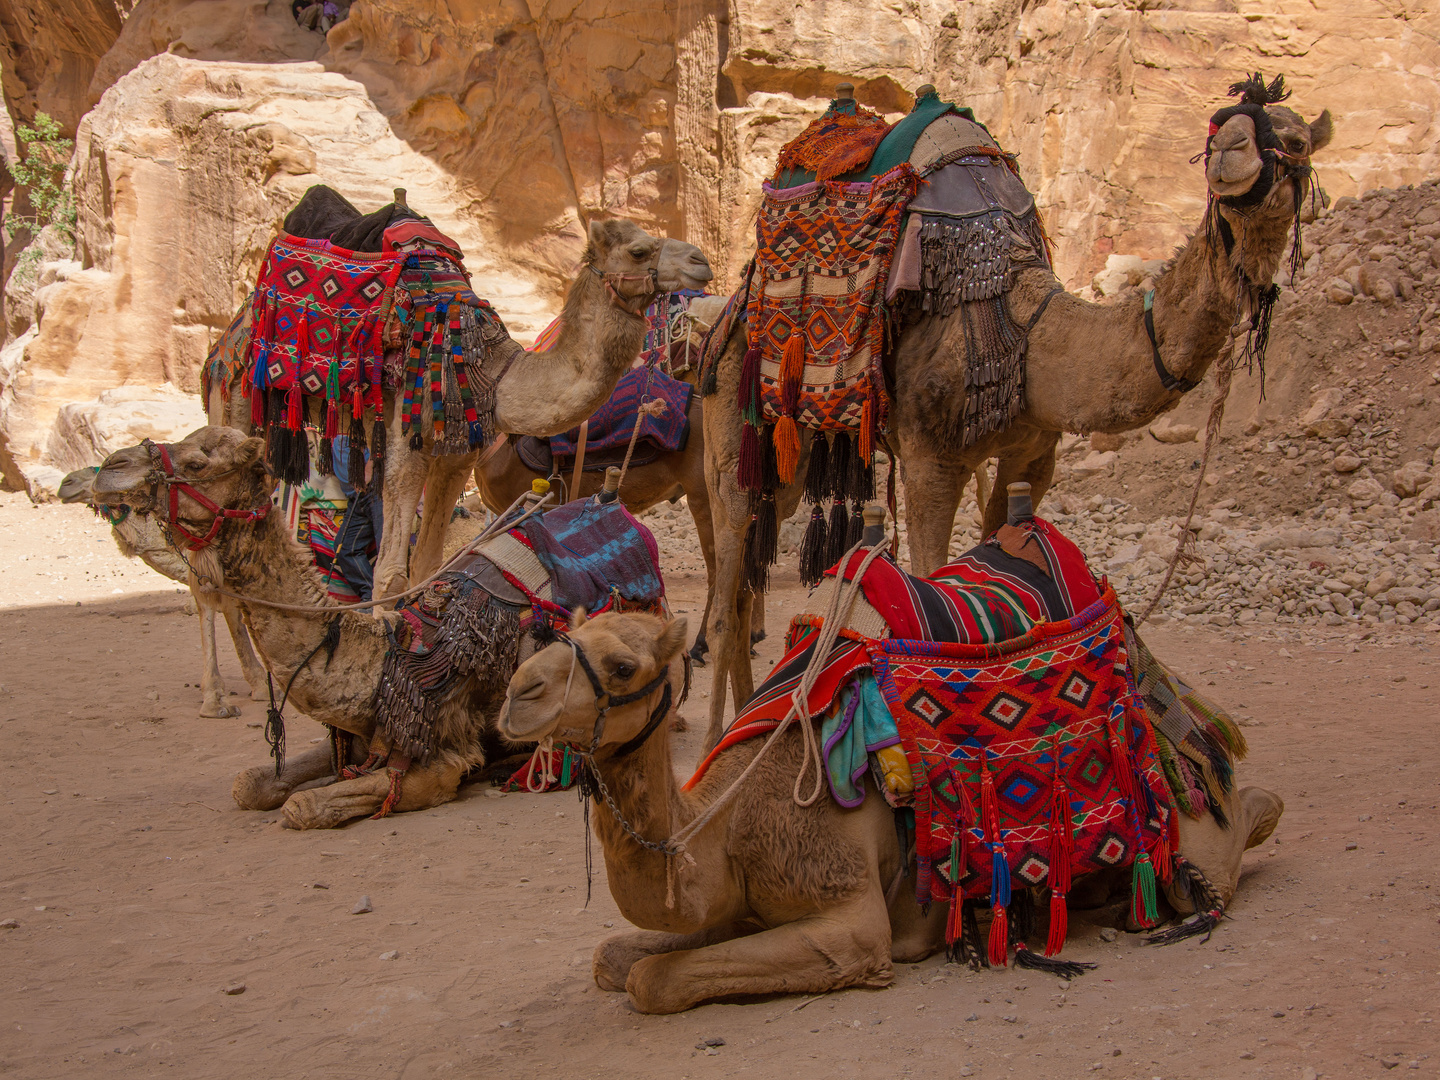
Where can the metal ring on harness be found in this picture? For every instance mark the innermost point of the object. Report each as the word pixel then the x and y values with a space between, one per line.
pixel 163 472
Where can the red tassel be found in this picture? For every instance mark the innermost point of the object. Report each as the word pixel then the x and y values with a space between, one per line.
pixel 292 408
pixel 257 410
pixel 749 472
pixel 954 921
pixel 357 411
pixel 989 805
pixel 1164 852
pixel 787 448
pixel 999 938
pixel 1059 924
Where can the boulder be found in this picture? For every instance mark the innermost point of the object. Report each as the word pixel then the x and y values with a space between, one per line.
pixel 1332 427
pixel 1410 478
pixel 1094 463
pixel 1165 430
pixel 1321 404
pixel 1103 441
pixel 1365 491
pixel 86 434
pixel 1121 272
pixel 1346 463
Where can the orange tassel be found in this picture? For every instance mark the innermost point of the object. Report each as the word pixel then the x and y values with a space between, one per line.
pixel 787 448
pixel 792 369
pixel 866 449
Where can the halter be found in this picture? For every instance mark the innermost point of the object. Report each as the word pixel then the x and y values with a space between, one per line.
pixel 609 279
pixel 1167 380
pixel 613 701
pixel 163 472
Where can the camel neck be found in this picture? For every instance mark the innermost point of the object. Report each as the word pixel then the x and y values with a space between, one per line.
pixel 264 562
pixel 1112 384
pixel 550 392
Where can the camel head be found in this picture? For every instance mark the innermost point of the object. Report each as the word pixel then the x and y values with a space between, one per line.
pixel 627 651
pixel 217 462
pixel 1258 152
pixel 625 254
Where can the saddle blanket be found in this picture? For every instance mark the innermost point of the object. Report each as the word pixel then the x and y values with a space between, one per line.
pixel 613 423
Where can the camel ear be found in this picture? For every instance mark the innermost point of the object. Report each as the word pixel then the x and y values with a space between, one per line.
pixel 250 454
pixel 1322 130
pixel 577 619
pixel 597 235
pixel 671 640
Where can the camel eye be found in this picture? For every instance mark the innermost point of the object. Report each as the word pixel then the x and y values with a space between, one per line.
pixel 624 671
pixel 1297 146
pixel 639 252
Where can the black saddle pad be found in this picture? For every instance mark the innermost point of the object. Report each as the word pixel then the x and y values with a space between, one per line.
pixel 535 455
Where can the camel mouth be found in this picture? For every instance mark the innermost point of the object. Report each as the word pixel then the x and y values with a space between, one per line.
pixel 111 489
pixel 527 727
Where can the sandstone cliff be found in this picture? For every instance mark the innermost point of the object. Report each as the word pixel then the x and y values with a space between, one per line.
pixel 518 121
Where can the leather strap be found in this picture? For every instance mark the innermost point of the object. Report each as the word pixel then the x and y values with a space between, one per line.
pixel 1170 382
pixel 175 487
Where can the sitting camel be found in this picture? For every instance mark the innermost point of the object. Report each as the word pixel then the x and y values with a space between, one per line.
pixel 140 537
pixel 780 898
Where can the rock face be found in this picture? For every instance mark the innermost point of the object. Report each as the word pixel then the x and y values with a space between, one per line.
pixel 198 121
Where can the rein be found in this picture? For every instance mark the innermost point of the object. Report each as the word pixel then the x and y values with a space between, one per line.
pixel 1170 382
pixel 163 472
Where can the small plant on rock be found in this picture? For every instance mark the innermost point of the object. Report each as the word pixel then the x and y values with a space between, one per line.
pixel 41 173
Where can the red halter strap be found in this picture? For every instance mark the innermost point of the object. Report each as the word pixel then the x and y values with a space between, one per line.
pixel 175 487
pixel 652 276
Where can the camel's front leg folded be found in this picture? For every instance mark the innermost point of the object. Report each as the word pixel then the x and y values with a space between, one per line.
pixel 421 787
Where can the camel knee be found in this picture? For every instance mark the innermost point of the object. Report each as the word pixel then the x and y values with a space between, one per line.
pixel 1261 810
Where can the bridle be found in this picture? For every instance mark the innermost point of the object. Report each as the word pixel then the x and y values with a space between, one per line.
pixel 609 279
pixel 162 471
pixel 613 701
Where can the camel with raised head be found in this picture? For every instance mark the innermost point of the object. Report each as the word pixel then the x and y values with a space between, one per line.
pixel 544 393
pixel 140 537
pixel 780 898
pixel 1087 368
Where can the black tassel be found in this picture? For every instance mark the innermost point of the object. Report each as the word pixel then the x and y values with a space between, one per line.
pixel 769 469
pixel 289 459
pixel 839 529
pixel 710 383
pixel 377 451
pixel 417 441
pixel 543 633
pixel 856 532
pixel 818 481
pixel 356 465
pixel 862 480
pixel 326 463
pixel 1020 916
pixel 762 546
pixel 1209 909
pixel 841 455
pixel 1051 965
pixel 814 549
pixel 970 950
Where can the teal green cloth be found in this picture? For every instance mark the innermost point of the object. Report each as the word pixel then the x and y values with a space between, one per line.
pixel 898 144
pixel 859 723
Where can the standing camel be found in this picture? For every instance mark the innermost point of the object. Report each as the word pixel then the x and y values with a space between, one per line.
pixel 772 897
pixel 1087 368
pixel 545 393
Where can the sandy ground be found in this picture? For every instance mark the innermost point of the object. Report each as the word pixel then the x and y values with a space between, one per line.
pixel 141 892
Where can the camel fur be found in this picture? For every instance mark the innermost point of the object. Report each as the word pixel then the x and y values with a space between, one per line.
pixel 262 561
pixel 141 538
pixel 1088 368
pixel 779 898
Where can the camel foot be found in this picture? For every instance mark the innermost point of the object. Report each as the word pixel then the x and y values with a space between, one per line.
pixel 260 693
pixel 613 959
pixel 326 808
pixel 216 711
pixel 258 789
pixel 1262 811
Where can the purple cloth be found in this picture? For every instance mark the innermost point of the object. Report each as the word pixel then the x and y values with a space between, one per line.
pixel 613 422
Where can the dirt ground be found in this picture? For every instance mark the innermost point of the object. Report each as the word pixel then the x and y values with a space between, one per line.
pixel 141 893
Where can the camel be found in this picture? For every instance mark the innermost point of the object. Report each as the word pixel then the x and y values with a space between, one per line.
pixel 779 898
pixel 1088 368
pixel 602 330
pixel 141 538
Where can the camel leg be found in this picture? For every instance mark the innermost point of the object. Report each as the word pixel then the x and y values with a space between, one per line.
pixel 616 955
pixel 932 495
pixel 405 473
pixel 742 677
pixel 255 675
pixel 705 530
pixel 724 626
pixel 1032 462
pixel 258 788
pixel 212 686
pixel 423 786
pixel 847 945
pixel 1217 853
pixel 445 483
